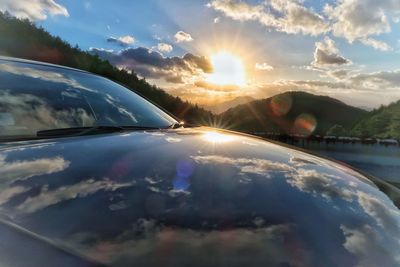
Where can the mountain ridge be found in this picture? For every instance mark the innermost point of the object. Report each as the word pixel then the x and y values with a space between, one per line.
pixel 282 113
pixel 383 122
pixel 225 105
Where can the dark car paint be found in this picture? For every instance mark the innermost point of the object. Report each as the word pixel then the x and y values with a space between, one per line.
pixel 198 197
pixel 187 197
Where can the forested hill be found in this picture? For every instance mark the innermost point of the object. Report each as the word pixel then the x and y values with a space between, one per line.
pixel 383 122
pixel 293 113
pixel 23 39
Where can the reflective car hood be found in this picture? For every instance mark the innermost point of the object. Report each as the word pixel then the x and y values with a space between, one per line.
pixel 198 197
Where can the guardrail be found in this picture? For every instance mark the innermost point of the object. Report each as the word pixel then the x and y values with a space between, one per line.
pixel 327 139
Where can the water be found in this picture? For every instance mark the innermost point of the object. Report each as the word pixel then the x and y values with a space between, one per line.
pixel 379 160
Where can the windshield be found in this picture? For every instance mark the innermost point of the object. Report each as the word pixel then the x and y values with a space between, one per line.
pixel 37 97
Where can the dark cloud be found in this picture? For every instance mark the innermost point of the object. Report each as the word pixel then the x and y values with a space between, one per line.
pixel 122 41
pixel 326 54
pixel 152 64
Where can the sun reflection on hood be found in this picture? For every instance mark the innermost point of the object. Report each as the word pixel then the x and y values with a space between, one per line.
pixel 217 138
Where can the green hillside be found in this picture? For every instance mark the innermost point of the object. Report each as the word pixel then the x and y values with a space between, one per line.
pixel 279 113
pixel 383 123
pixel 23 39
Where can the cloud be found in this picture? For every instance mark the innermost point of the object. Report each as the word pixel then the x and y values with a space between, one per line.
pixel 262 167
pixel 326 54
pixel 369 246
pixel 382 210
pixel 319 184
pixel 80 190
pixel 33 9
pixel 45 75
pixel 10 192
pixel 351 87
pixel 182 36
pixel 361 19
pixel 339 74
pixel 263 66
pixel 152 64
pixel 122 41
pixel 375 81
pixel 216 87
pixel 39 115
pixel 354 20
pixel 347 81
pixel 24 169
pixel 165 48
pixel 287 16
pixel 261 246
pixel 378 45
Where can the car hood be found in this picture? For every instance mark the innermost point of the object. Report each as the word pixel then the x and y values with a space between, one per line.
pixel 197 196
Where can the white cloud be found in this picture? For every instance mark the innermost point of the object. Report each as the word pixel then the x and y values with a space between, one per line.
pixel 39 115
pixel 370 247
pixel 165 48
pixel 382 210
pixel 33 9
pixel 326 54
pixel 24 169
pixel 45 75
pixel 361 19
pixel 354 20
pixel 10 192
pixel 263 66
pixel 287 16
pixel 378 45
pixel 123 40
pixel 319 184
pixel 245 165
pixel 182 36
pixel 80 190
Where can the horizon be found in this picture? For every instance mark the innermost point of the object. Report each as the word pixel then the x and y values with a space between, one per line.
pixel 224 49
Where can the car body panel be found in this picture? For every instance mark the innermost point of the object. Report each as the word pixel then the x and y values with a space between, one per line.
pixel 196 196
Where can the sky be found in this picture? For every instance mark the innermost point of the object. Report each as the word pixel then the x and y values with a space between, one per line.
pixel 210 51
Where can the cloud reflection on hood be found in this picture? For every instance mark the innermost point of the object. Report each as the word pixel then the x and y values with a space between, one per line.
pixel 226 205
pixel 149 244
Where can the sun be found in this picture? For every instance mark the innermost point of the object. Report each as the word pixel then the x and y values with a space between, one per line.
pixel 227 70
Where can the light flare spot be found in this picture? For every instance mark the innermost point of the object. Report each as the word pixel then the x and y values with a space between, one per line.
pixel 305 124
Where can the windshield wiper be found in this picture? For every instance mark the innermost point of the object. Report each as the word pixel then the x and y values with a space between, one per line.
pixel 78 131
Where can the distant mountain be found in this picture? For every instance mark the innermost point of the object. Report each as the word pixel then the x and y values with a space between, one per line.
pixel 366 108
pixel 292 113
pixel 383 123
pixel 23 39
pixel 224 106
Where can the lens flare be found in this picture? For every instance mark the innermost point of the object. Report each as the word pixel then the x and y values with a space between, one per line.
pixel 281 104
pixel 305 124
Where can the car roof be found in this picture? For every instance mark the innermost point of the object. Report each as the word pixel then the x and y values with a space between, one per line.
pixel 33 62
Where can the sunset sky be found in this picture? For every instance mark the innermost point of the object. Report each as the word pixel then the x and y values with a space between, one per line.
pixel 208 51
